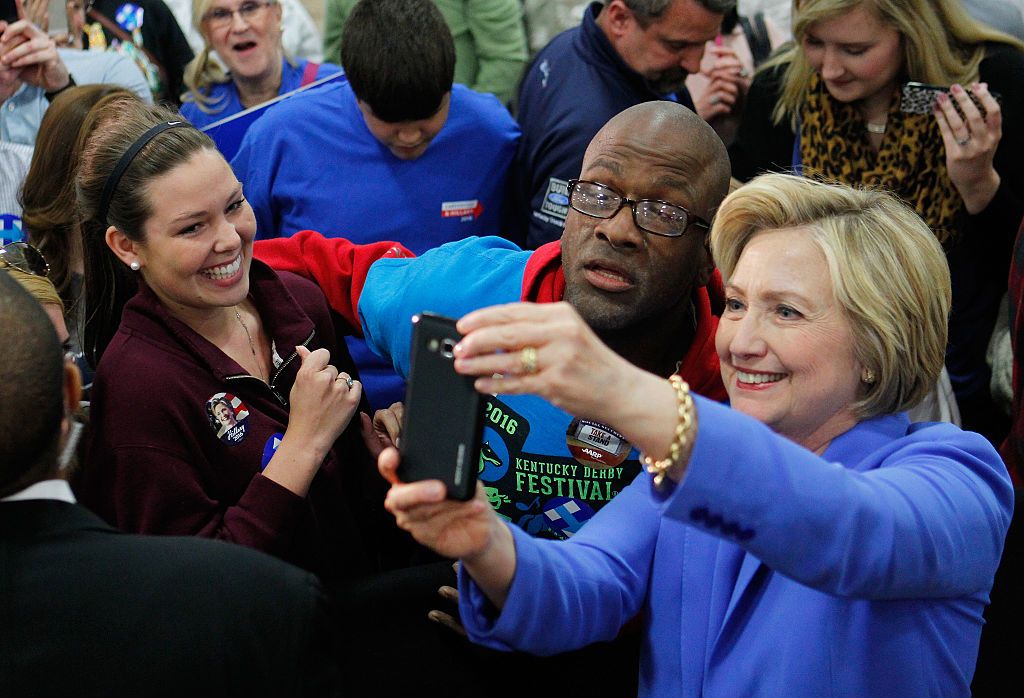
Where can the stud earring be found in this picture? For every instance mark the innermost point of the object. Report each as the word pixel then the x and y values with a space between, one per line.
pixel 135 265
pixel 867 376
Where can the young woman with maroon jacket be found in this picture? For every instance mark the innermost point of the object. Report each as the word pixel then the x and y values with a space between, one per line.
pixel 222 404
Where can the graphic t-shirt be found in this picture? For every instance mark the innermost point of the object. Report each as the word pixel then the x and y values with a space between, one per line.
pixel 553 483
pixel 541 468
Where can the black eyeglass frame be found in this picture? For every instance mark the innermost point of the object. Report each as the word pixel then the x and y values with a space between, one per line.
pixel 33 263
pixel 691 218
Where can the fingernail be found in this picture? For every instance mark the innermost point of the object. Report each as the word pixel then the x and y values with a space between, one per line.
pixel 942 98
pixel 956 89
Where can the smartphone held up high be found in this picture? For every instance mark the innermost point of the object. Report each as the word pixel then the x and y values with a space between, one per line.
pixel 56 13
pixel 58 17
pixel 443 421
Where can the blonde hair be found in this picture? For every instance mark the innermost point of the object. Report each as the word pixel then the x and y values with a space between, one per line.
pixel 889 275
pixel 202 72
pixel 41 288
pixel 942 44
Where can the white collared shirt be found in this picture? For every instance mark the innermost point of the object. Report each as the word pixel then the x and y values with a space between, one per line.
pixel 56 489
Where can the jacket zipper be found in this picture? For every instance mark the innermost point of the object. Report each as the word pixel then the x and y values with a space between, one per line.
pixel 276 373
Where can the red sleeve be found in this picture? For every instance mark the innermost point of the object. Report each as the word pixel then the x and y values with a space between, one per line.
pixel 700 367
pixel 337 265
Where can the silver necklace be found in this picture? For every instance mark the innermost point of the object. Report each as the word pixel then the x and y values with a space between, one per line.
pixel 877 129
pixel 252 345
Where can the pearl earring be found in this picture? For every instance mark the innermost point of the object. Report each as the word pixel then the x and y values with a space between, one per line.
pixel 135 265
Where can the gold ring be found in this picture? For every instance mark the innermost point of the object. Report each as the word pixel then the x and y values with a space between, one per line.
pixel 528 360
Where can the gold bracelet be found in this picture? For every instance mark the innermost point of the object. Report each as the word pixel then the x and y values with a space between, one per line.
pixel 682 442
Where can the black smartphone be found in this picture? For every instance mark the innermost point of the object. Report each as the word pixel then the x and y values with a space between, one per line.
pixel 443 423
pixel 920 97
pixel 8 11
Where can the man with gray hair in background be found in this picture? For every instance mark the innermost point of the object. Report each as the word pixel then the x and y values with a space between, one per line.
pixel 624 53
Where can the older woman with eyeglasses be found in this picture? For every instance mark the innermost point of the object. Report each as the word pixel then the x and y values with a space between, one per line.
pixel 246 37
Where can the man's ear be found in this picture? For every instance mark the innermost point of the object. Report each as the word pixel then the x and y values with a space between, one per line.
pixel 122 246
pixel 707 265
pixel 72 394
pixel 618 18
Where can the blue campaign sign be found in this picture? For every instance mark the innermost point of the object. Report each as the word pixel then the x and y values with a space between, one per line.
pixel 10 228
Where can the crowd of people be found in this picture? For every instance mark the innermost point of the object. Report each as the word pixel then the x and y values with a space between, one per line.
pixel 728 275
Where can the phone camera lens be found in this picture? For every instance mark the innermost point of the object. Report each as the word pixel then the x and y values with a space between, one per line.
pixel 447 347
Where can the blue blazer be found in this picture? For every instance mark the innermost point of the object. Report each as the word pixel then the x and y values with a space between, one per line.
pixel 772 571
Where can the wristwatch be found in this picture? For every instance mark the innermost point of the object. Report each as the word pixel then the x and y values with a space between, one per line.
pixel 71 83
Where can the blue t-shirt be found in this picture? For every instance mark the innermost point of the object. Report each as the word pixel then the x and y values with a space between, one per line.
pixel 542 469
pixel 311 163
pixel 226 94
pixel 573 87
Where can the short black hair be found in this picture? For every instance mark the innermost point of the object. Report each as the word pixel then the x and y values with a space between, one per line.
pixel 399 57
pixel 31 389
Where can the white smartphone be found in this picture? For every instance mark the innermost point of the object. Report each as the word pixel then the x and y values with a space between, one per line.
pixel 58 13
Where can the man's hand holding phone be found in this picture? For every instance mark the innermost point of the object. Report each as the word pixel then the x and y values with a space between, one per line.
pixel 30 53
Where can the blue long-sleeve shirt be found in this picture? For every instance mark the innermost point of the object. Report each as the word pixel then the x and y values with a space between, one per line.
pixel 772 571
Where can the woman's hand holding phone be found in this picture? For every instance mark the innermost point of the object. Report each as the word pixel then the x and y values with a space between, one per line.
pixel 971 140
pixel 469 530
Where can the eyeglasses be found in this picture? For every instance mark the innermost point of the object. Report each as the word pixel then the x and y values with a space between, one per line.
pixel 220 17
pixel 23 257
pixel 651 215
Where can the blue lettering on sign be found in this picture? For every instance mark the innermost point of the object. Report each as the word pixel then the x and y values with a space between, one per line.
pixel 10 228
pixel 558 199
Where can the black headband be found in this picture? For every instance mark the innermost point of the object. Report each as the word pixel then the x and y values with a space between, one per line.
pixel 126 160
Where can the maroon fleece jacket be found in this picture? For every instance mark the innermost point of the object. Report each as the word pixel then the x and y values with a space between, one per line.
pixel 159 463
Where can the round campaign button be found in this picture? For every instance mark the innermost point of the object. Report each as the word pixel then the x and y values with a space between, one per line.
pixel 596 445
pixel 228 417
